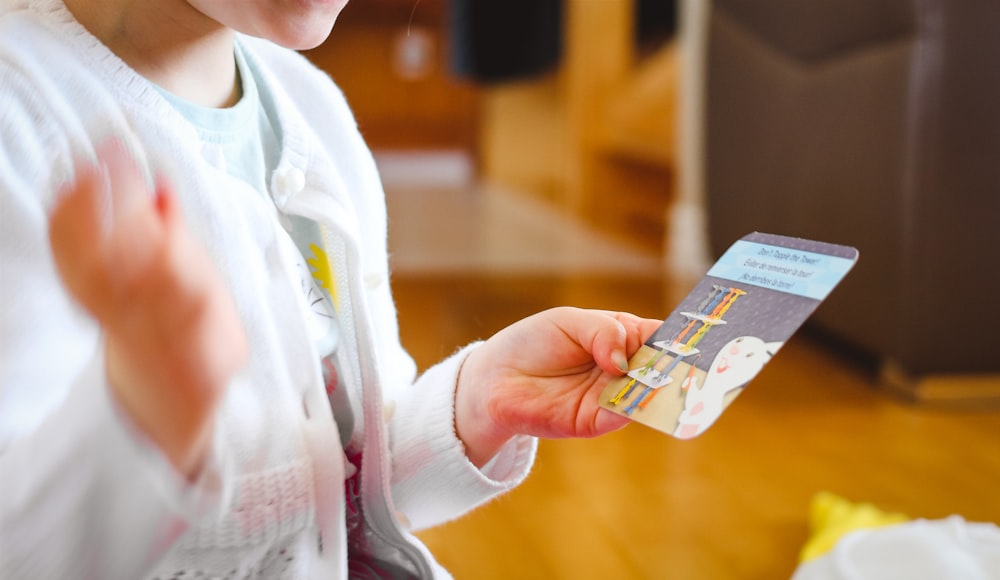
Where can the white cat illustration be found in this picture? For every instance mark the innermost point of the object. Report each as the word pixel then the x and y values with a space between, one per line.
pixel 737 362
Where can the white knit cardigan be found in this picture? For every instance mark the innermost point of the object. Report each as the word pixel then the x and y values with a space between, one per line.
pixel 82 495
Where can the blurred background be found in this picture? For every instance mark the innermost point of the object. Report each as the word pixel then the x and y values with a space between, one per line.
pixel 601 153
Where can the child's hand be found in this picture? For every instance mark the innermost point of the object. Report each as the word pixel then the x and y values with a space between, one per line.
pixel 543 376
pixel 173 337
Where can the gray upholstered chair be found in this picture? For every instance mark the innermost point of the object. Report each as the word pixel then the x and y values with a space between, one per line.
pixel 873 123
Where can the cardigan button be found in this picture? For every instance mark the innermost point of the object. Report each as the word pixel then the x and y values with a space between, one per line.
pixel 288 182
pixel 373 280
pixel 388 410
pixel 404 522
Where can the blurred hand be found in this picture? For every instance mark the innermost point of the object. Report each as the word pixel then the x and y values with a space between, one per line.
pixel 173 339
pixel 543 376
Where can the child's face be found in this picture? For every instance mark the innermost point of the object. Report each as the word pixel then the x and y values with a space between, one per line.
pixel 297 24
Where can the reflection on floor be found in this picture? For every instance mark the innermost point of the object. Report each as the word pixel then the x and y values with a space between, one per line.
pixel 491 230
pixel 638 504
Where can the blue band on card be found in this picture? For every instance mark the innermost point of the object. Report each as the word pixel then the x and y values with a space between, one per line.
pixel 783 269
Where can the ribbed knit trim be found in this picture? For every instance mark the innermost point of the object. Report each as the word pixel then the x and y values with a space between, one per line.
pixel 137 94
pixel 429 456
pixel 106 63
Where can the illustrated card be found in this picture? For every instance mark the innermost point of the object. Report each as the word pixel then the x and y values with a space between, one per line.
pixel 720 336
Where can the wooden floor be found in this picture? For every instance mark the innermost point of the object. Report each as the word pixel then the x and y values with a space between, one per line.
pixel 730 504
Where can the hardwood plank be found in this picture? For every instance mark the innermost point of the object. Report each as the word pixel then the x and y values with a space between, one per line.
pixel 732 503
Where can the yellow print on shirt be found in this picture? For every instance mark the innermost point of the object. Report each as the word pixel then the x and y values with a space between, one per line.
pixel 319 267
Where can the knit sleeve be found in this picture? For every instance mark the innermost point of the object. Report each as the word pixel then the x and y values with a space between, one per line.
pixel 433 480
pixel 81 493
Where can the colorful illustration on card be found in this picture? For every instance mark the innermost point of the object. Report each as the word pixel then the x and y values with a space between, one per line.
pixel 724 332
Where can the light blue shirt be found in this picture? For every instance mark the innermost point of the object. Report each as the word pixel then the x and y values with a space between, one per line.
pixel 246 144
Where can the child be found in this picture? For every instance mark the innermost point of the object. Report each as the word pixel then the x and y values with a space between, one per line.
pixel 200 373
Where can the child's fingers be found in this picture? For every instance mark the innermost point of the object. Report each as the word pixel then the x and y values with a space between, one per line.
pixel 127 188
pixel 598 335
pixel 606 421
pixel 609 346
pixel 638 330
pixel 616 336
pixel 165 201
pixel 105 230
pixel 76 232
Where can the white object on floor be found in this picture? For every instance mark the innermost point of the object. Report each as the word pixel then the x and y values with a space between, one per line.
pixel 915 550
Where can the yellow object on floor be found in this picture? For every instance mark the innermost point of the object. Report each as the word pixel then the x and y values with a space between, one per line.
pixel 831 517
